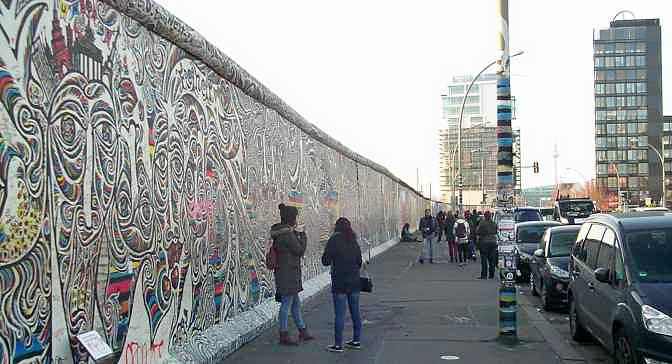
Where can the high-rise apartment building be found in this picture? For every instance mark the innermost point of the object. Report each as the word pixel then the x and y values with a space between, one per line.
pixel 628 109
pixel 479 139
pixel 667 156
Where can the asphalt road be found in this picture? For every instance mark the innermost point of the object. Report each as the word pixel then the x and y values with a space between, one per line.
pixel 592 351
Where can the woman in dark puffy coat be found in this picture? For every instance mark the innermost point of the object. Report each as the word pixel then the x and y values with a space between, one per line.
pixel 344 256
pixel 290 243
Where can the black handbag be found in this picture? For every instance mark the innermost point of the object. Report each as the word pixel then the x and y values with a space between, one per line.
pixel 366 283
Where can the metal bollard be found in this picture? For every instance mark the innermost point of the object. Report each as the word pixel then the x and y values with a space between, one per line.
pixel 508 307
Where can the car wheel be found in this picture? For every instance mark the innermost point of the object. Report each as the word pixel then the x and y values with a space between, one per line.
pixel 533 288
pixel 623 350
pixel 576 328
pixel 545 298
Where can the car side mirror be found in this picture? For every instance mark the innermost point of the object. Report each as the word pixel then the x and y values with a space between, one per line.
pixel 603 275
pixel 539 253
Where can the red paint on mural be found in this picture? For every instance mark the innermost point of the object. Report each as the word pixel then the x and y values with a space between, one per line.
pixel 146 353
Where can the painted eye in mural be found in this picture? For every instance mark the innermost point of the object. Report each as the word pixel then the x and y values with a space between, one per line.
pixel 68 129
pixel 161 161
pixel 106 132
pixel 123 205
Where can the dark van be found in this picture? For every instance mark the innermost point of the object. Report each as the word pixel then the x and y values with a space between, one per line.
pixel 620 287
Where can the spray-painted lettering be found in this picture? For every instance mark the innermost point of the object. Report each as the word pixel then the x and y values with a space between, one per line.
pixel 143 353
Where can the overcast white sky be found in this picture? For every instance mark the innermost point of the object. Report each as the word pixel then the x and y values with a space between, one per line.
pixel 370 73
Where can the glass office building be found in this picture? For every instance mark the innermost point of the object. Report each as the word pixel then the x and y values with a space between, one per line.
pixel 628 109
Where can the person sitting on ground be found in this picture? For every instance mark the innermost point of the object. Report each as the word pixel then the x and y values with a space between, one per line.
pixel 406 235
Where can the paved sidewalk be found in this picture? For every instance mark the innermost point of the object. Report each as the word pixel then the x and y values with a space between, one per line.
pixel 417 314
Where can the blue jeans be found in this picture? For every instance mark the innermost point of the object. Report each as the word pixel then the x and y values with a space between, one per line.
pixel 339 311
pixel 429 248
pixel 294 302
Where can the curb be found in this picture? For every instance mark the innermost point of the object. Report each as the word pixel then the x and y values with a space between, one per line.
pixel 218 342
pixel 560 347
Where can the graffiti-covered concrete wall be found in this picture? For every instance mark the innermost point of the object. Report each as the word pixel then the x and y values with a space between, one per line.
pixel 140 170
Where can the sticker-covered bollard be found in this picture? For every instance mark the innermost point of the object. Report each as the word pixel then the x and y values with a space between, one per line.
pixel 507 295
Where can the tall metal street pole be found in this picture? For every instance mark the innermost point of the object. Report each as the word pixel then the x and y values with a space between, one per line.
pixel 618 184
pixel 459 127
pixel 417 178
pixel 482 183
pixel 504 131
pixel 508 327
pixel 453 153
pixel 663 198
pixel 555 164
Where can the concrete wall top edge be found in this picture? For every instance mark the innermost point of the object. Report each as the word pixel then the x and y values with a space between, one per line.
pixel 160 21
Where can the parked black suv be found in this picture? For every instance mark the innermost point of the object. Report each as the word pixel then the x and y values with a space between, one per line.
pixel 620 287
pixel 549 267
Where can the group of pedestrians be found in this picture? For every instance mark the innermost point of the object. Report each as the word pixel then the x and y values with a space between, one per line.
pixel 464 234
pixel 344 257
pixel 342 254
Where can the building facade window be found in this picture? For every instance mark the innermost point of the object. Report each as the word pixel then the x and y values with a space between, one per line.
pixel 643 141
pixel 620 128
pixel 456 90
pixel 641 87
pixel 641 47
pixel 630 61
pixel 643 168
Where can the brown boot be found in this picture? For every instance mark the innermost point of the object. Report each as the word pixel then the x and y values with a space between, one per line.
pixel 304 335
pixel 285 339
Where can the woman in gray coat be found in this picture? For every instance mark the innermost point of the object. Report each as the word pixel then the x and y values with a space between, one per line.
pixel 290 243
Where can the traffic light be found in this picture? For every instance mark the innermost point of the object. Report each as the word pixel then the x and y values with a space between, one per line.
pixel 535 167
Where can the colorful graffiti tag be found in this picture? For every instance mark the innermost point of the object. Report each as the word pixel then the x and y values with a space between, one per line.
pixel 137 186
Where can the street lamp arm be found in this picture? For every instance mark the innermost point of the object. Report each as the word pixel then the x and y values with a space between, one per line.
pixel 663 198
pixel 459 126
pixel 579 173
pixel 660 156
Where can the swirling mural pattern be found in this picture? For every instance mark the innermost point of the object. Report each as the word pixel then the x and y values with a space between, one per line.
pixel 138 183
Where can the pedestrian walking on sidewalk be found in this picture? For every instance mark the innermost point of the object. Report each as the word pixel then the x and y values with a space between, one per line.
pixel 487 245
pixel 441 221
pixel 461 232
pixel 473 224
pixel 429 228
pixel 344 256
pixel 289 240
pixel 450 237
